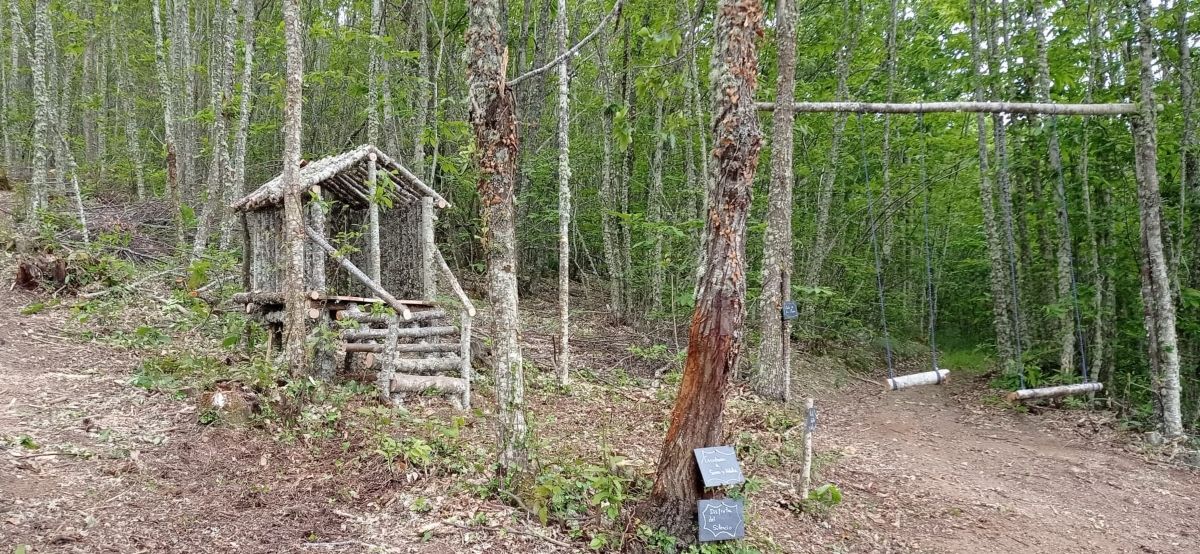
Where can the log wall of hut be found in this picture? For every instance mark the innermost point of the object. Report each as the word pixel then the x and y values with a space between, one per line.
pixel 345 222
pixel 266 258
pixel 401 250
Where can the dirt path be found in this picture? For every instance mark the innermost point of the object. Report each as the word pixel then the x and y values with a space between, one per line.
pixel 985 479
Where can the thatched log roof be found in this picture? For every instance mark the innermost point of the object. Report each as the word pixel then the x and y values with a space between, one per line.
pixel 344 178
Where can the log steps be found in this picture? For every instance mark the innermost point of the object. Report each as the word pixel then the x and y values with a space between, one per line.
pixel 411 356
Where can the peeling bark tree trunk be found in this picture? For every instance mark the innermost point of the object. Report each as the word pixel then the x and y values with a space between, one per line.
pixel 997 273
pixel 295 324
pixel 1063 254
pixel 493 119
pixel 1189 179
pixel 564 202
pixel 715 337
pixel 773 378
pixel 1161 307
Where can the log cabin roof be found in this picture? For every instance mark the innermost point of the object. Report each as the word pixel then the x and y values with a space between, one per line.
pixel 344 178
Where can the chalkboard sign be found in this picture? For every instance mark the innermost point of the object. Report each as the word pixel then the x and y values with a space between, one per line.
pixel 811 423
pixel 720 520
pixel 718 466
pixel 790 311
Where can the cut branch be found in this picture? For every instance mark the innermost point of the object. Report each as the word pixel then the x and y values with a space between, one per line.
pixel 534 73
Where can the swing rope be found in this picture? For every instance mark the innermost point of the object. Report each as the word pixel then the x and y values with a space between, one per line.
pixel 930 286
pixel 1014 279
pixel 1080 341
pixel 887 339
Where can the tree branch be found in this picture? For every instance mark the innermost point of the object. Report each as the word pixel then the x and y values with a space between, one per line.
pixel 936 107
pixel 561 57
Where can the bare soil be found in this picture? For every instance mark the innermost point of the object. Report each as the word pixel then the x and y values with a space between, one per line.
pixel 91 463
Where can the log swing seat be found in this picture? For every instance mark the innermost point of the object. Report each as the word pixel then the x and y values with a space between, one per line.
pixel 387 318
pixel 935 376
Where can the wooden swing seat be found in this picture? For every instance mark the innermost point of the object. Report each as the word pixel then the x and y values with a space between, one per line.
pixel 1054 392
pixel 935 377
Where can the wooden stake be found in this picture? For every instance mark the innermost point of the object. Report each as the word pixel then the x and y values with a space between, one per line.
pixel 806 473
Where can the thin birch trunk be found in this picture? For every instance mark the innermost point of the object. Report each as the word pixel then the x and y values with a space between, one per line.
pixel 1189 178
pixel 1162 306
pixel 773 378
pixel 374 258
pixel 821 242
pixel 885 196
pixel 1097 354
pixel 166 91
pixel 997 270
pixel 1063 254
pixel 42 114
pixel 654 210
pixel 608 196
pixel 493 119
pixel 220 83
pixel 622 197
pixel 421 110
pixel 294 236
pixel 564 202
pixel 237 181
pixel 133 139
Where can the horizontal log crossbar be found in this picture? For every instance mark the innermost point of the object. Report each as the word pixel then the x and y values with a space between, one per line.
pixel 957 107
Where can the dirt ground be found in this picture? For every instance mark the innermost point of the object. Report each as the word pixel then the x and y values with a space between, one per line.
pixel 91 463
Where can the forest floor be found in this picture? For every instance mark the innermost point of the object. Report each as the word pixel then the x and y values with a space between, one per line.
pixel 95 460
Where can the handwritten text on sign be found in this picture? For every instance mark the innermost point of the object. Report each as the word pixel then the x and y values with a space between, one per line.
pixel 718 466
pixel 721 520
pixel 790 311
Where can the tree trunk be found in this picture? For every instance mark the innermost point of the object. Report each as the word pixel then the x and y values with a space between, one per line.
pixel 715 337
pixel 630 100
pixel 421 109
pixel 221 89
pixel 1097 354
pixel 1189 178
pixel 1162 307
pixel 608 196
pixel 294 237
pixel 164 70
pixel 773 378
pixel 564 203
pixel 997 273
pixel 1063 254
pixel 821 242
pixel 42 114
pixel 654 211
pixel 237 184
pixel 493 120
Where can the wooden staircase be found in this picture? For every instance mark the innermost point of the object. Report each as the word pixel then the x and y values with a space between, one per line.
pixel 428 352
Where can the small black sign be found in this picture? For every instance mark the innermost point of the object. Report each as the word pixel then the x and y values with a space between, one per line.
pixel 718 466
pixel 720 520
pixel 810 424
pixel 790 311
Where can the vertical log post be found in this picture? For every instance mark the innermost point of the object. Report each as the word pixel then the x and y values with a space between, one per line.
pixel 465 357
pixel 315 214
pixel 374 258
pixel 806 473
pixel 428 265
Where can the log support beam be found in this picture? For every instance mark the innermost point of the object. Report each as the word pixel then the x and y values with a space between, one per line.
pixel 957 107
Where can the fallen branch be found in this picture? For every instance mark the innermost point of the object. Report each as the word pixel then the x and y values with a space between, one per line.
pixel 571 52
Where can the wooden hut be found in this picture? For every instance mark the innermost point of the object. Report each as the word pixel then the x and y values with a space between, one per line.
pixel 362 209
